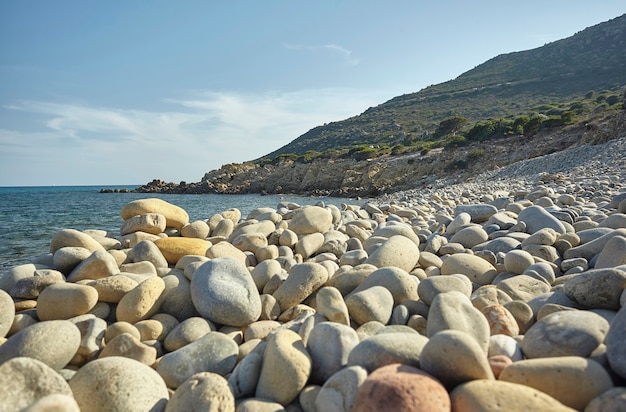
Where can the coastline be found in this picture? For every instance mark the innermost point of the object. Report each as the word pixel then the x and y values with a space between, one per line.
pixel 518 272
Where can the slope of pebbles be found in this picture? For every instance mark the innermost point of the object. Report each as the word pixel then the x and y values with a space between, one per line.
pixel 503 293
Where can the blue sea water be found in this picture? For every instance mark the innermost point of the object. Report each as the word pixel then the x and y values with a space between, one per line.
pixel 30 216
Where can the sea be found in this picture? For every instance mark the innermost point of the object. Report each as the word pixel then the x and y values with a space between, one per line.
pixel 30 216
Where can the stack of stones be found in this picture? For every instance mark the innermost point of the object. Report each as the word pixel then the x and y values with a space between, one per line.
pixel 514 303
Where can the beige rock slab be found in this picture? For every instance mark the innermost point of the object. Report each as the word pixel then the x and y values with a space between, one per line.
pixel 491 395
pixel 174 248
pixel 572 380
pixel 75 238
pixel 204 391
pixel 474 267
pixel 175 216
pixel 286 367
pixel 141 302
pixel 23 381
pixel 96 386
pixel 65 300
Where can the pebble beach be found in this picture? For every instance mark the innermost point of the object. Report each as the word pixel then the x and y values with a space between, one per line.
pixel 502 293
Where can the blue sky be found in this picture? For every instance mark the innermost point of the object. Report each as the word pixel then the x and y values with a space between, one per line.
pixel 122 92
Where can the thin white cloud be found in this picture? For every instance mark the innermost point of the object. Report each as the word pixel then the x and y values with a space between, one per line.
pixel 332 48
pixel 200 132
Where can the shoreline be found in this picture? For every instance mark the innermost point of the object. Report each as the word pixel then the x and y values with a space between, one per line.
pixel 511 283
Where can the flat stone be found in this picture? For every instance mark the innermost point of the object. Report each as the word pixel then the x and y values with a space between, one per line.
pixel 546 236
pixel 131 347
pixel 263 272
pixel 470 236
pixel 331 305
pixel 522 313
pixel 245 377
pixel 387 348
pixel 432 286
pixel 7 313
pixel 488 295
pixel 614 221
pixel 223 291
pixel 329 345
pixel 186 332
pixel 391 228
pixel 523 287
pixel 65 300
pixel 52 342
pixel 490 395
pixel 141 302
pixel 148 250
pixel 453 310
pixel 309 244
pixel 113 288
pixel 96 386
pixel 214 352
pixel 198 229
pixel 74 238
pixel 542 271
pixel 537 218
pixel 251 242
pixel 153 223
pixel 24 380
pixel 311 219
pixel 372 304
pixel 67 258
pixel 260 329
pixel 398 251
pixel 454 357
pixel 596 288
pixel 556 376
pixel 303 280
pixel 593 247
pixel 504 345
pixel 404 388
pixel 339 391
pixel 99 264
pixel 92 330
pixel 347 280
pixel 613 253
pixel 402 286
pixel 175 216
pixel 118 328
pixel 478 212
pixel 226 250
pixel 258 405
pixel 204 391
pixel 286 367
pixel 174 248
pixel 177 301
pixel 516 261
pixel 478 270
pixel 501 320
pixel 567 333
pixel 460 220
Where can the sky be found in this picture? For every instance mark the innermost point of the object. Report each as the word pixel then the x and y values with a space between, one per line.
pixel 123 92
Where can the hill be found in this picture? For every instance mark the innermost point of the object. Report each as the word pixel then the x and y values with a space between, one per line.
pixel 506 86
pixel 514 107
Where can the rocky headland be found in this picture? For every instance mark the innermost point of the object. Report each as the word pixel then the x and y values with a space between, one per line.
pixel 503 292
pixel 420 170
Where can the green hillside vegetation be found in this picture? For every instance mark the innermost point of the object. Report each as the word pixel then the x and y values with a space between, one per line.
pixel 559 84
pixel 457 131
